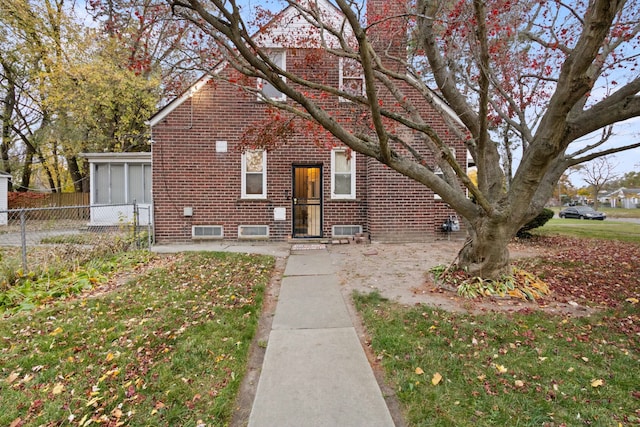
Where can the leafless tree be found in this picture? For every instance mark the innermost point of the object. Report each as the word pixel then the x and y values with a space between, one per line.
pixel 597 173
pixel 545 68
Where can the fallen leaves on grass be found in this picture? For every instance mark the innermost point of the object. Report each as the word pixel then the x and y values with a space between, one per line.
pixel 590 271
pixel 435 380
pixel 507 365
pixel 600 273
pixel 58 388
pixel 501 369
pixel 113 358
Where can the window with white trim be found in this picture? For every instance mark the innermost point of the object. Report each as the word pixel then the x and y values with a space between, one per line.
pixel 279 58
pixel 207 232
pixel 343 174
pixel 254 174
pixel 345 230
pixel 351 77
pixel 139 183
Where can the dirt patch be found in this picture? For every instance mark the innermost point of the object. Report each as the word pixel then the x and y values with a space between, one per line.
pixel 400 272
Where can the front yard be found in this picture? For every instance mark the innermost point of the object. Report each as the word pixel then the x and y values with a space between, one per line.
pixel 138 339
pixel 166 346
pixel 525 369
pixel 524 366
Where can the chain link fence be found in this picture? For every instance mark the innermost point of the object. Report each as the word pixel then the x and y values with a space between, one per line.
pixel 31 237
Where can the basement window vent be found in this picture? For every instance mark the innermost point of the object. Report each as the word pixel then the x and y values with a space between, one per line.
pixel 253 232
pixel 207 232
pixel 346 230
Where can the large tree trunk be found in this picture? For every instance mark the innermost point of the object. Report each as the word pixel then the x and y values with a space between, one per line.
pixel 486 252
pixel 26 170
pixel 55 187
pixel 76 174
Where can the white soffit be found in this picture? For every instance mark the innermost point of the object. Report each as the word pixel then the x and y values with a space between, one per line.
pixel 167 109
pixel 129 157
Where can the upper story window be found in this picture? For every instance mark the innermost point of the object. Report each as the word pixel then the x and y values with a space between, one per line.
pixel 279 58
pixel 343 174
pixel 351 77
pixel 254 174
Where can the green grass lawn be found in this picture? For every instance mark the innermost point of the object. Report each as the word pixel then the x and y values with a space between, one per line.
pixel 168 347
pixel 526 368
pixel 620 212
pixel 607 229
pixel 497 369
pixel 611 212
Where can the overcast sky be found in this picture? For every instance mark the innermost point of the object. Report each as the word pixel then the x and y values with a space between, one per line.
pixel 624 133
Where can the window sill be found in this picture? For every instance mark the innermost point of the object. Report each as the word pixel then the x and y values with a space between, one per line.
pixel 251 199
pixel 344 199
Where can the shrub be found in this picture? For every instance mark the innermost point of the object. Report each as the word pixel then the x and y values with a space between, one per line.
pixel 536 222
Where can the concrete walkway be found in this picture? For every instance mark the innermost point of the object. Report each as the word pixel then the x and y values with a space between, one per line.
pixel 315 372
pixel 281 250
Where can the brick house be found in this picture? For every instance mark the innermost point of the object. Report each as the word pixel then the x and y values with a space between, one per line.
pixel 206 187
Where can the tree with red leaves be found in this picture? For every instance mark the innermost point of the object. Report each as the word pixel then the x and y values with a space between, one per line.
pixel 155 40
pixel 549 72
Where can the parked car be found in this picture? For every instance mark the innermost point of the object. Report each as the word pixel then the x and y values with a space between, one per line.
pixel 582 212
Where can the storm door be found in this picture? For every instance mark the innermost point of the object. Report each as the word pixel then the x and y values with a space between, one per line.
pixel 307 201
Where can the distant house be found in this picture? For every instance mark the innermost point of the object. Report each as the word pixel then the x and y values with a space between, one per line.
pixel 623 198
pixel 117 180
pixel 4 204
pixel 207 186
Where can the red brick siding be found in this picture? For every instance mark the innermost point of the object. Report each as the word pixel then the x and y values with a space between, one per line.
pixel 188 172
pixel 401 209
pixel 388 34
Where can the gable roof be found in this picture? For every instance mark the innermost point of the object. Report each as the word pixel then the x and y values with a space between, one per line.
pixel 290 28
pixel 624 192
pixel 283 31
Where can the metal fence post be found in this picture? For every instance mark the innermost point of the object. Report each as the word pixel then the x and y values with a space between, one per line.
pixel 23 239
pixel 63 225
pixel 136 237
pixel 149 228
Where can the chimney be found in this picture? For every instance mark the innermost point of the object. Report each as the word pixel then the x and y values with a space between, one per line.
pixel 388 21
